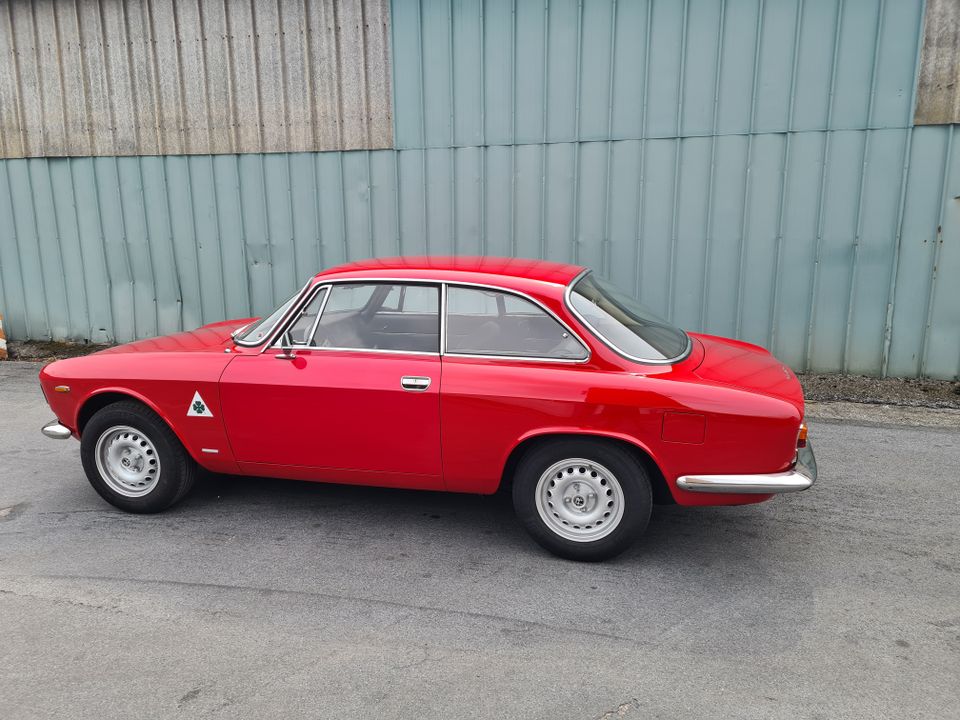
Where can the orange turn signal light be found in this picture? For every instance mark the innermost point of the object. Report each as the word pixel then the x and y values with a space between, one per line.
pixel 802 436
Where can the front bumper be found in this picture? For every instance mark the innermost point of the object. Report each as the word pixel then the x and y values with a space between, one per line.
pixel 800 477
pixel 55 430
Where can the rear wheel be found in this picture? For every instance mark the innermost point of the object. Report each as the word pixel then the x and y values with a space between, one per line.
pixel 133 459
pixel 582 499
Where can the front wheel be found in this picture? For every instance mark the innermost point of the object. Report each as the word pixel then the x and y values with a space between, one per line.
pixel 582 499
pixel 133 459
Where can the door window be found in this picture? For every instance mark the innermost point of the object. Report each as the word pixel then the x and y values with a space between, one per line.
pixel 491 322
pixel 381 316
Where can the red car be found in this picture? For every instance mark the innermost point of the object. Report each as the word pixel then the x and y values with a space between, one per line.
pixel 459 374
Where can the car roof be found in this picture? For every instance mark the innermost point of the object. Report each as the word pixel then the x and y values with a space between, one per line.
pixel 447 268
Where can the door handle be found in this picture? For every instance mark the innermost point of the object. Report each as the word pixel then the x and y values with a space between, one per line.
pixel 414 383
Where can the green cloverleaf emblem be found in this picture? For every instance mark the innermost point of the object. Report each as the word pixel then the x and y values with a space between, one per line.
pixel 198 407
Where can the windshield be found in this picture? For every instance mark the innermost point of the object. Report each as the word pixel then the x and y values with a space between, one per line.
pixel 624 324
pixel 256 331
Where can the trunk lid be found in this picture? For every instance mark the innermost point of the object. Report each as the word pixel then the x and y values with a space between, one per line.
pixel 747 367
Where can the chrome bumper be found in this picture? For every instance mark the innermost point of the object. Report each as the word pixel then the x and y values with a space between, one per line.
pixel 802 476
pixel 55 430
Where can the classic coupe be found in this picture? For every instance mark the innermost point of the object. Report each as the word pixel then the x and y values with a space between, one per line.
pixel 468 375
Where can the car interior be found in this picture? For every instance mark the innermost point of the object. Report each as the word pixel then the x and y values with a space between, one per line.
pixel 406 318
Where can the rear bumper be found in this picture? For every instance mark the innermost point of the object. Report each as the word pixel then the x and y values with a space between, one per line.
pixel 55 430
pixel 800 477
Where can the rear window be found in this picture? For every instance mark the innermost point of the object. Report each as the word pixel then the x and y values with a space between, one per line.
pixel 624 324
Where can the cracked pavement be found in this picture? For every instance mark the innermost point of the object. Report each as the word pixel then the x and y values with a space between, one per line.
pixel 263 598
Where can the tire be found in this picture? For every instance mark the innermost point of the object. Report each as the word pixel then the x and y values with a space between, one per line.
pixel 595 498
pixel 133 459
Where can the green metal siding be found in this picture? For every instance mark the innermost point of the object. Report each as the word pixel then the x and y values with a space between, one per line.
pixel 747 168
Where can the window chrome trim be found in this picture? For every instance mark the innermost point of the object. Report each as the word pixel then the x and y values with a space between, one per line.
pixel 597 334
pixel 516 358
pixel 316 323
pixel 442 286
pixel 328 285
pixel 267 339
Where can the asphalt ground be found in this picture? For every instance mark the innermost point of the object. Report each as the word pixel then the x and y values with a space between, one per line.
pixel 261 598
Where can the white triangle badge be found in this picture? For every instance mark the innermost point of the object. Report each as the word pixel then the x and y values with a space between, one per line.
pixel 198 408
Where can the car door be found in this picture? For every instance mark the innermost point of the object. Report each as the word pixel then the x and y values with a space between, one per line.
pixel 351 393
pixel 510 369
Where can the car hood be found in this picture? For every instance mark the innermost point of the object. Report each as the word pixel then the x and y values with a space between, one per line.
pixel 747 367
pixel 213 337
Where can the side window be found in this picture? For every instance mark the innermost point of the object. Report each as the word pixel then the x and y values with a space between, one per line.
pixel 381 316
pixel 299 331
pixel 490 322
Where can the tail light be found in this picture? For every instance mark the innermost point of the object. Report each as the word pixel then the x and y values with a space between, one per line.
pixel 802 436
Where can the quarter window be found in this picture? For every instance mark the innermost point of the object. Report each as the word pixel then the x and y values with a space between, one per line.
pixel 381 316
pixel 491 322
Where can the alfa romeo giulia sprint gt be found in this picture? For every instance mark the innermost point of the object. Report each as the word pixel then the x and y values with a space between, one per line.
pixel 460 374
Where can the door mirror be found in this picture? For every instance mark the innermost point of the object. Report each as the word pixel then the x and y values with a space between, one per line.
pixel 286 348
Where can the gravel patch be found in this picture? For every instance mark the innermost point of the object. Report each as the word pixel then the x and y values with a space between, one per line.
pixel 911 392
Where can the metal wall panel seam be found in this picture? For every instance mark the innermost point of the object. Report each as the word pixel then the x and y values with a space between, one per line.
pixel 708 222
pixel 16 243
pixel 60 73
pixel 370 228
pixel 170 243
pixel 747 185
pixel 43 272
pixel 398 238
pixel 84 78
pixel 605 240
pixel 544 125
pixel 677 169
pixel 266 224
pixel 185 139
pixel 153 272
pixel 114 311
pixel 423 135
pixel 216 218
pixel 243 238
pixel 638 264
pixel 196 238
pixel 851 296
pixel 483 132
pixel 83 262
pixel 785 179
pixel 513 127
pixel 234 121
pixel 36 54
pixel 575 250
pixel 895 269
pixel 63 271
pixel 160 122
pixel 365 94
pixel 934 269
pixel 255 47
pixel 128 56
pixel 343 209
pixel 895 262
pixel 451 71
pixel 814 282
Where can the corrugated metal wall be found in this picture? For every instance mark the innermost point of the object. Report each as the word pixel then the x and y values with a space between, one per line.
pixel 749 168
pixel 111 77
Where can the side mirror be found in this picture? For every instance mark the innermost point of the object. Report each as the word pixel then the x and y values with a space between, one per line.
pixel 286 349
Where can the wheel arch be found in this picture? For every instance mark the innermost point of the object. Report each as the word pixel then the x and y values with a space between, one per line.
pixel 658 482
pixel 108 396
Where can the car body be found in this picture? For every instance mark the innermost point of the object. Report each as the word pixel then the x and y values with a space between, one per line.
pixel 463 366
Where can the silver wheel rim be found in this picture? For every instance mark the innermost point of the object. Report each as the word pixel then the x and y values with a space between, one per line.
pixel 128 461
pixel 580 500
